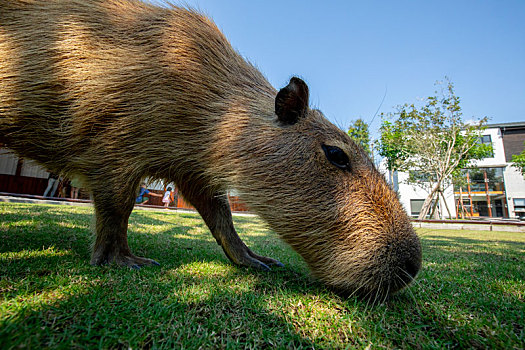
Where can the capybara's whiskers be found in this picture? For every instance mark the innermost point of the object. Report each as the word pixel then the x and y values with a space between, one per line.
pixel 411 294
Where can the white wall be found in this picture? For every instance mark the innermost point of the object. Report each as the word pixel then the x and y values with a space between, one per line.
pixel 497 146
pixel 8 162
pixel 514 181
pixel 408 192
pixel 32 169
pixel 514 187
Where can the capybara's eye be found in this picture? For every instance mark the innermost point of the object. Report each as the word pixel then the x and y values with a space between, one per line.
pixel 337 157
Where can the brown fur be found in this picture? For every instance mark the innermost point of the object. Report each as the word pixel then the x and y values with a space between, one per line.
pixel 114 91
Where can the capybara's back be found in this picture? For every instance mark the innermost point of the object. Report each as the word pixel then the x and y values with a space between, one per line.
pixel 76 75
pixel 115 91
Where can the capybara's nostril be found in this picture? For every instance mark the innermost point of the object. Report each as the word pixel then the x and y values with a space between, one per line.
pixel 409 267
pixel 404 274
pixel 407 253
pixel 412 267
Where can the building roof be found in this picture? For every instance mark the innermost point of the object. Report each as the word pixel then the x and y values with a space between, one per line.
pixel 514 125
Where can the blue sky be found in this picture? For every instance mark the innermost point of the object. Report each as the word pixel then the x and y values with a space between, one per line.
pixel 351 52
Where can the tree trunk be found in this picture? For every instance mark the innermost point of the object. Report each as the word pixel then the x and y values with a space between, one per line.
pixel 446 205
pixel 428 202
pixel 433 214
pixel 426 206
pixel 463 210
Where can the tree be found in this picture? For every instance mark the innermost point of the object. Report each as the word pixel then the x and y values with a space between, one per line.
pixel 432 142
pixel 519 161
pixel 392 144
pixel 358 131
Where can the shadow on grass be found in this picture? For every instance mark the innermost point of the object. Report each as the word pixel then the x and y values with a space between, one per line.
pixel 160 312
pixel 53 298
pixel 63 300
pixel 44 227
pixel 479 280
pixel 439 240
pixel 160 307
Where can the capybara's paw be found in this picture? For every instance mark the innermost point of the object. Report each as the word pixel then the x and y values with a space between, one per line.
pixel 266 260
pixel 134 262
pixel 131 261
pixel 248 258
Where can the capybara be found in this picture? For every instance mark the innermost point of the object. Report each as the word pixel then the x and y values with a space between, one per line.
pixel 114 91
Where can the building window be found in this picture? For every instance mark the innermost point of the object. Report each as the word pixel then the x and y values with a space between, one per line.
pixel 487 140
pixel 418 177
pixel 485 188
pixel 519 207
pixel 479 176
pixel 415 206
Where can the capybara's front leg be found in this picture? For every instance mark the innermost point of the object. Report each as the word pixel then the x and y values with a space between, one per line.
pixel 215 210
pixel 111 244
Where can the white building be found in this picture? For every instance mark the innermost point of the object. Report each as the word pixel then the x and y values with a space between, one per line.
pixel 494 187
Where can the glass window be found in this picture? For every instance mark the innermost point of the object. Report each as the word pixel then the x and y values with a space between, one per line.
pixel 485 139
pixel 519 207
pixel 415 206
pixel 477 180
pixel 493 176
pixel 519 202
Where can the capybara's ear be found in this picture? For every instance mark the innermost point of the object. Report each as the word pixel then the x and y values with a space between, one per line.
pixel 291 103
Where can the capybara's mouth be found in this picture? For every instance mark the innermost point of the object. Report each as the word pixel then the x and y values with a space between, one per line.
pixel 381 292
pixel 377 275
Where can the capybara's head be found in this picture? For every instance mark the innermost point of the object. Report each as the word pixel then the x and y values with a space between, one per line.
pixel 323 195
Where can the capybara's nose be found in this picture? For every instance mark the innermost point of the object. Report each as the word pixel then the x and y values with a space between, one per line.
pixel 410 262
pixel 406 271
pixel 412 267
pixel 405 256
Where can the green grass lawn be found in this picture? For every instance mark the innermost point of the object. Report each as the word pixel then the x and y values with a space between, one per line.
pixel 469 294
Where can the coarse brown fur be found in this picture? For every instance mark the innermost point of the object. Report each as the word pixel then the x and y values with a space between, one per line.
pixel 118 90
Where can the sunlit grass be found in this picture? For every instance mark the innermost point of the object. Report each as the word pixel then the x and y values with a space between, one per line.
pixel 469 294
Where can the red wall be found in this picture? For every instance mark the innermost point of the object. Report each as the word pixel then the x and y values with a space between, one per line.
pixel 22 184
